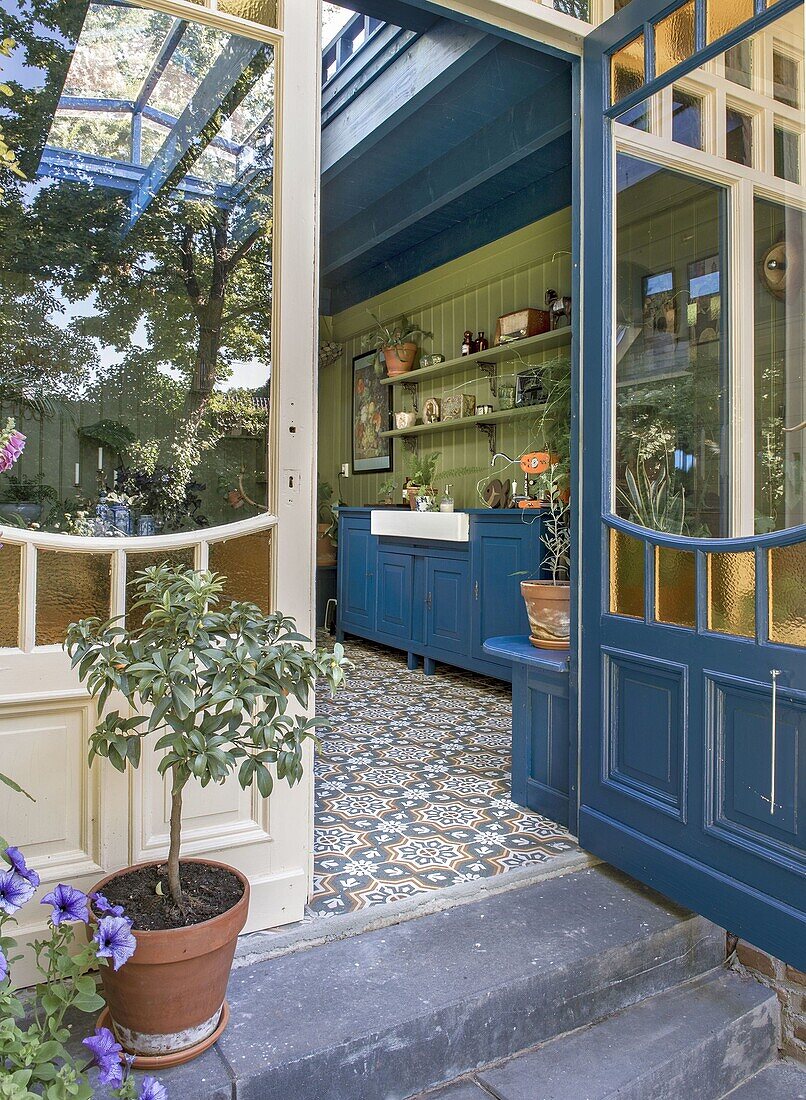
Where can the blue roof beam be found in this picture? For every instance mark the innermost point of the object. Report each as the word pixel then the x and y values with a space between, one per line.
pixel 235 72
pixel 160 62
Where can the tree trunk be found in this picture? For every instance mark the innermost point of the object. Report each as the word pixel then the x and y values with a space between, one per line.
pixel 174 878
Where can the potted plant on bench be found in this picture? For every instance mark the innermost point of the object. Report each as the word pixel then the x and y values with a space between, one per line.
pixel 213 686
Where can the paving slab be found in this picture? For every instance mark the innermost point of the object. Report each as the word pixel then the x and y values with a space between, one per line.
pixel 698 1040
pixel 780 1081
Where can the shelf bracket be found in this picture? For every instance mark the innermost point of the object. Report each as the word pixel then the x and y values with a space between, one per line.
pixel 411 390
pixel 409 444
pixel 489 431
pixel 492 377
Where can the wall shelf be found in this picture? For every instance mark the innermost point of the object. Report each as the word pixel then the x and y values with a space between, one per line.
pixel 546 341
pixel 486 423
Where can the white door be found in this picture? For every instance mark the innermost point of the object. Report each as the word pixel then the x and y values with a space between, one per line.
pixel 163 248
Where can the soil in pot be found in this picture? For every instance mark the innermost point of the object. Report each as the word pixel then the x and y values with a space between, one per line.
pixel 143 892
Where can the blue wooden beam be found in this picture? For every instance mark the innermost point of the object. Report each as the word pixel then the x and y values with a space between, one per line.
pixel 234 73
pixel 523 130
pixel 433 62
pixel 397 12
pixel 160 62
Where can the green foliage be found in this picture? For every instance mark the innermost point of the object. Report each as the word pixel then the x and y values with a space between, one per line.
pixel 215 686
pixel 238 409
pixel 109 433
pixel 654 500
pixel 386 489
pixel 18 488
pixel 554 426
pixel 423 468
pixel 392 334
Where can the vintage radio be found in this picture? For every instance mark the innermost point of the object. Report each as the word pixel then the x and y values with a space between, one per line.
pixel 523 323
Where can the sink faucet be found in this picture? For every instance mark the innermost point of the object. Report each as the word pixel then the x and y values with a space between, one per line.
pixel 500 454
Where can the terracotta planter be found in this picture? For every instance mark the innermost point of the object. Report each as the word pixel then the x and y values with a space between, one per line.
pixel 400 359
pixel 325 548
pixel 167 1002
pixel 549 609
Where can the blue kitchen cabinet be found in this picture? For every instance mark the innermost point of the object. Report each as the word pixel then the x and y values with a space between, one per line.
pixel 438 601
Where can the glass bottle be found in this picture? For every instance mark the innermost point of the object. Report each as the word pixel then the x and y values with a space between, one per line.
pixel 446 504
pixel 467 343
pixel 482 343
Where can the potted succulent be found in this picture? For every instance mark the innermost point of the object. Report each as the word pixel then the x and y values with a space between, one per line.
pixel 395 344
pixel 24 498
pixel 420 483
pixel 213 686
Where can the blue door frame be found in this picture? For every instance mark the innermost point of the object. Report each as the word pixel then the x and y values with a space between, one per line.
pixel 676 724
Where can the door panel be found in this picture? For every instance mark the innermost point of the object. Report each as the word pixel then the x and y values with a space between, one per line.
pixel 692 712
pixel 448 605
pixel 500 562
pixel 357 567
pixel 395 594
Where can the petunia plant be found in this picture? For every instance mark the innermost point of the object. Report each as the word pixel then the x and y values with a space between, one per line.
pixel 213 684
pixel 39 1057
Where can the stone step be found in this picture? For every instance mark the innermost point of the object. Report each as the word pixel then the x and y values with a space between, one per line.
pixel 780 1081
pixel 392 1013
pixel 698 1041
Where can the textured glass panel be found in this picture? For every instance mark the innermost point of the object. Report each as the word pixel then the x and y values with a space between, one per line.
pixel 675 587
pixel 738 137
pixel 10 566
pixel 732 593
pixel 787 154
pixel 739 63
pixel 259 11
pixel 246 563
pixel 137 562
pixel 69 587
pixel 723 15
pixel 686 119
pixel 626 575
pixel 674 38
pixel 787 572
pixel 627 73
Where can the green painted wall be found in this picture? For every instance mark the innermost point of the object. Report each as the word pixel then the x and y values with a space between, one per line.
pixel 468 293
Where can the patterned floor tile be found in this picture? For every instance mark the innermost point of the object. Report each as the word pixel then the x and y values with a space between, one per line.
pixel 413 788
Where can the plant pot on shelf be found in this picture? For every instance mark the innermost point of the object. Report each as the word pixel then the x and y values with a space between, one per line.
pixel 548 607
pixel 167 1004
pixel 325 548
pixel 400 359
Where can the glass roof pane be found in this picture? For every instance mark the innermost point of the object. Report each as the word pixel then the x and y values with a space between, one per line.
pixel 198 50
pixel 101 134
pixel 115 51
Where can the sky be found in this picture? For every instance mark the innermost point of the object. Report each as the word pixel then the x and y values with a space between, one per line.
pixel 333 19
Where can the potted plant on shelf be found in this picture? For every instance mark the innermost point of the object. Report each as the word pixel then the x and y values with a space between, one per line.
pixel 420 482
pixel 23 499
pixel 548 602
pixel 386 492
pixel 395 344
pixel 213 686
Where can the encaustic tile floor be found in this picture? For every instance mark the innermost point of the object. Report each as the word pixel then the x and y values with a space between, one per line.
pixel 413 786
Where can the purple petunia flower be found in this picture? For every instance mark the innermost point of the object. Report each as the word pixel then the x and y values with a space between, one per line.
pixel 3 967
pixel 68 904
pixel 115 940
pixel 106 1052
pixel 17 861
pixel 15 891
pixel 102 905
pixel 152 1089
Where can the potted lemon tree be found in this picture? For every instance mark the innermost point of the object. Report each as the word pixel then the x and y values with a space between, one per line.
pixel 222 691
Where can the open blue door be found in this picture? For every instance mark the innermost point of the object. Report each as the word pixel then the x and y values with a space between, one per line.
pixel 693 541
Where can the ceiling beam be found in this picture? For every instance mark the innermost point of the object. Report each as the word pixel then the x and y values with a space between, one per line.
pixel 520 132
pixel 160 62
pixel 396 12
pixel 233 75
pixel 433 63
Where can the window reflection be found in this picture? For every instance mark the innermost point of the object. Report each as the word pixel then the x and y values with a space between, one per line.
pixel 136 273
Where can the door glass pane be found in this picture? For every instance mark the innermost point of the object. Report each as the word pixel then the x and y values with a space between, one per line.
pixel 246 563
pixel 135 563
pixel 738 136
pixel 786 78
pixel 723 16
pixel 670 361
pixel 69 587
pixel 787 596
pixel 674 38
pixel 259 11
pixel 786 148
pixel 686 118
pixel 732 593
pixel 626 575
pixel 739 63
pixel 10 566
pixel 627 72
pixel 148 189
pixel 675 587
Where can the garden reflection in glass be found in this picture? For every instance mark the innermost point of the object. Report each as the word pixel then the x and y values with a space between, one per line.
pixel 710 389
pixel 136 267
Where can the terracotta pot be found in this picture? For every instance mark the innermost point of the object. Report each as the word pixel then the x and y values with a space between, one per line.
pixel 166 1002
pixel 548 606
pixel 400 360
pixel 325 548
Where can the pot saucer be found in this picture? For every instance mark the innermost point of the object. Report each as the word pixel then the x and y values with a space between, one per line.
pixel 173 1058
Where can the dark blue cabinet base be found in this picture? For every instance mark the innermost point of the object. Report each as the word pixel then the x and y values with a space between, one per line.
pixel 540 730
pixel 438 601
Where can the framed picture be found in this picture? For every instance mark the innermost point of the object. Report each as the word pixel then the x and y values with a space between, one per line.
pixel 372 413
pixel 659 307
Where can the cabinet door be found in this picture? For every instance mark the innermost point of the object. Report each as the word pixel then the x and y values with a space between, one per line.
pixel 502 558
pixel 357 561
pixel 395 594
pixel 447 604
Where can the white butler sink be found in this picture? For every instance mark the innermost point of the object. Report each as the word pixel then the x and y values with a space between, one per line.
pixel 405 524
